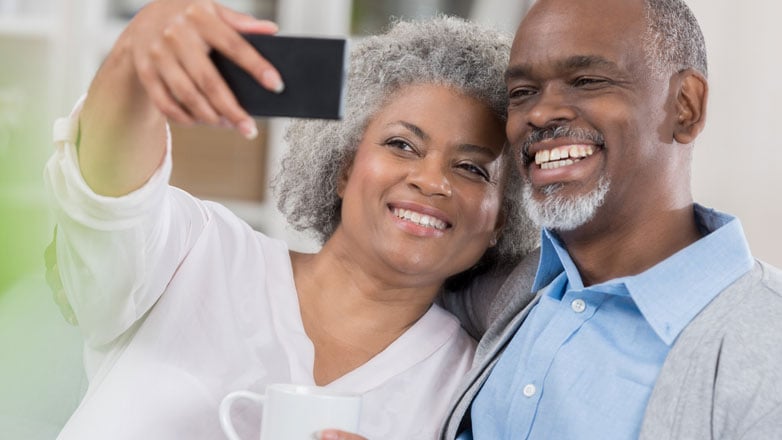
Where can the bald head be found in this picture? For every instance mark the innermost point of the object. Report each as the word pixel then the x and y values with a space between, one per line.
pixel 669 34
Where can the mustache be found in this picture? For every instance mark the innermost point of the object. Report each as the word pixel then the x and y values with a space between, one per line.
pixel 560 131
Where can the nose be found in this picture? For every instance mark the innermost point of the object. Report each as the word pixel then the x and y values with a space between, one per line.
pixel 429 177
pixel 551 107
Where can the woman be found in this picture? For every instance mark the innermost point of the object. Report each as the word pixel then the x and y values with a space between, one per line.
pixel 181 302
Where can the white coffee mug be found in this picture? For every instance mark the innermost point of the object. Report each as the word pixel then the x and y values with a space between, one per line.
pixel 296 412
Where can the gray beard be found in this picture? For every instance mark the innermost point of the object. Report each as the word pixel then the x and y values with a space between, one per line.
pixel 561 213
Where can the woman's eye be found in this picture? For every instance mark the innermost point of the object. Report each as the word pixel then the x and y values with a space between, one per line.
pixel 400 144
pixel 476 170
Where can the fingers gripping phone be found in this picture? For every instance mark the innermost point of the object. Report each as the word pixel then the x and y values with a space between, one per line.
pixel 313 70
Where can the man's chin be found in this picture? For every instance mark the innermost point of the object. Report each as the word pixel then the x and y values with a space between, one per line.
pixel 549 208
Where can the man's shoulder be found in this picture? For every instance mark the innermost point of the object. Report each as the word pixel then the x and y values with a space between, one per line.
pixel 757 290
pixel 724 369
pixel 515 292
pixel 498 293
pixel 771 277
pixel 745 313
pixel 758 304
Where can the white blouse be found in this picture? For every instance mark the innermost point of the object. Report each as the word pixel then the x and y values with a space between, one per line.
pixel 181 302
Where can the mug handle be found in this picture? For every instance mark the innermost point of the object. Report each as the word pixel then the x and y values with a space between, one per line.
pixel 225 410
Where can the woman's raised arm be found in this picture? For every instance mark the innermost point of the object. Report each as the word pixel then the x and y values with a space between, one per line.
pixel 160 68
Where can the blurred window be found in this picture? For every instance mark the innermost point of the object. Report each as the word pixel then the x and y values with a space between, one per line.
pixel 372 16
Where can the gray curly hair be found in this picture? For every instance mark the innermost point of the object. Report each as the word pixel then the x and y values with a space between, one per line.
pixel 443 50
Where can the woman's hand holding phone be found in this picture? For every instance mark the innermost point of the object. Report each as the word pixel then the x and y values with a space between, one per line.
pixel 160 69
pixel 170 42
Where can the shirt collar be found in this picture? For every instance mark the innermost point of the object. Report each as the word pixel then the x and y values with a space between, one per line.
pixel 552 254
pixel 672 292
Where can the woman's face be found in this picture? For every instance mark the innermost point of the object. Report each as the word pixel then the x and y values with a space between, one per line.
pixel 423 193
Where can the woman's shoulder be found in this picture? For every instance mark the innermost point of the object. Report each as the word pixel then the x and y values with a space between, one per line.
pixel 449 331
pixel 233 229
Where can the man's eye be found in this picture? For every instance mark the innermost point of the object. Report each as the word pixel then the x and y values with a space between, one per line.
pixel 586 81
pixel 521 92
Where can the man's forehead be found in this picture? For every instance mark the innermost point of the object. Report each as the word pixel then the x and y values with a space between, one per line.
pixel 579 14
pixel 581 27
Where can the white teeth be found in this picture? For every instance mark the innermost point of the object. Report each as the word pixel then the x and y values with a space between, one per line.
pixel 420 219
pixel 541 156
pixel 558 157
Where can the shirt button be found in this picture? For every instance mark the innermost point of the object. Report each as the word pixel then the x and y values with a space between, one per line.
pixel 529 390
pixel 578 305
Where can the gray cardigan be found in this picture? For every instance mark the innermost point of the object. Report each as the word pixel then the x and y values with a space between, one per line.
pixel 721 380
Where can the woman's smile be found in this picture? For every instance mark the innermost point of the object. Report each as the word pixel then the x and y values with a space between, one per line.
pixel 420 220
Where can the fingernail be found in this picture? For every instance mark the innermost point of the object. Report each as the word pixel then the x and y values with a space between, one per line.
pixel 273 27
pixel 248 129
pixel 273 81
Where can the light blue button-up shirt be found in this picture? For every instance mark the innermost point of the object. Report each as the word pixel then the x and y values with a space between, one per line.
pixel 583 363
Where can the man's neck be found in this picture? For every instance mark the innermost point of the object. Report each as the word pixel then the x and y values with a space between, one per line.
pixel 630 248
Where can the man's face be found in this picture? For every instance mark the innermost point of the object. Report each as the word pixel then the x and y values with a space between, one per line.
pixel 586 117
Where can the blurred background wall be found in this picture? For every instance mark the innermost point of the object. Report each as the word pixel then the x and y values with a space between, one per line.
pixel 50 50
pixel 738 162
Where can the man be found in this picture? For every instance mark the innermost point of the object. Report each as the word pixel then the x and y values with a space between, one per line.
pixel 650 318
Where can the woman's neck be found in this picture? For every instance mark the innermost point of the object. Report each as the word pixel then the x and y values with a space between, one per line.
pixel 350 313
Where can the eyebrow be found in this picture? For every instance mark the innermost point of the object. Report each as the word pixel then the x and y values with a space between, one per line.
pixel 414 128
pixel 464 147
pixel 521 71
pixel 480 150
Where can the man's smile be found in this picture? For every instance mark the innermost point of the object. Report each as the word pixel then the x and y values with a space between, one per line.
pixel 562 159
pixel 562 156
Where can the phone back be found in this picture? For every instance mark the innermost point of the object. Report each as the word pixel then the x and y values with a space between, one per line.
pixel 313 70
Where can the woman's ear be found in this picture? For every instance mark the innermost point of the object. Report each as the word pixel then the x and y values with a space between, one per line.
pixel 691 100
pixel 344 175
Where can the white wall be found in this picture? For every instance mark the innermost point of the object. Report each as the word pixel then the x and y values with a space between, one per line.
pixel 739 156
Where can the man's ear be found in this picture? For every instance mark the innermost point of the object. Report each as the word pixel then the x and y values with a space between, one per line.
pixel 691 100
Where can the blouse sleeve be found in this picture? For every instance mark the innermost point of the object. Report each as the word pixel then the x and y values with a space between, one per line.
pixel 116 254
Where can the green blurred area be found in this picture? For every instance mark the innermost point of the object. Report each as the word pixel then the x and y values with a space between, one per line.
pixel 41 375
pixel 25 225
pixel 25 113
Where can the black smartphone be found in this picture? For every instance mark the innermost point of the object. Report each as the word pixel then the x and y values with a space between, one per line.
pixel 313 70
